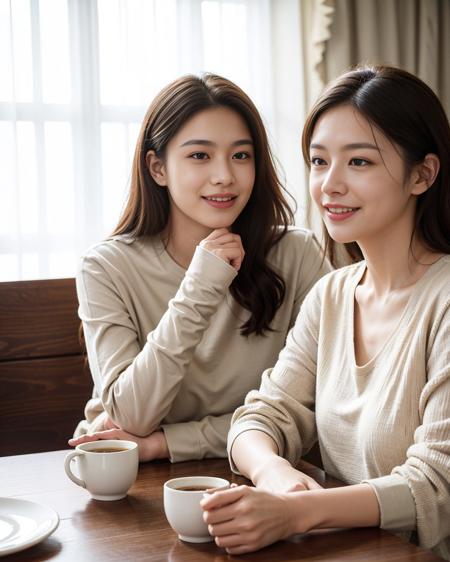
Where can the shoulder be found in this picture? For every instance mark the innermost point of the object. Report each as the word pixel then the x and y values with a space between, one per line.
pixel 433 291
pixel 117 253
pixel 298 243
pixel 439 276
pixel 340 281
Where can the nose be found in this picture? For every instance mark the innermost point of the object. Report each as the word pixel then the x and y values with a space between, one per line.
pixel 222 173
pixel 334 181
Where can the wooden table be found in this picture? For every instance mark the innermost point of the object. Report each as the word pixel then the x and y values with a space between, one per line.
pixel 135 528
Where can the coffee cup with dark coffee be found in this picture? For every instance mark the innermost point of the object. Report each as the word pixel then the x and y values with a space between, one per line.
pixel 182 498
pixel 107 469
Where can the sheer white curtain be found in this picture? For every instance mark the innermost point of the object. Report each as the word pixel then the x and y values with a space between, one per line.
pixel 76 77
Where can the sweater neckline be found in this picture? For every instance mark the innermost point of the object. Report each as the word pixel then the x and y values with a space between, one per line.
pixel 167 259
pixel 363 369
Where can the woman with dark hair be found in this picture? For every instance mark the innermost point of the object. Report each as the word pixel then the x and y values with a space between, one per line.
pixel 366 368
pixel 178 324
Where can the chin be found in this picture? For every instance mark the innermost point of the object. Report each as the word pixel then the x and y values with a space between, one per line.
pixel 340 237
pixel 220 224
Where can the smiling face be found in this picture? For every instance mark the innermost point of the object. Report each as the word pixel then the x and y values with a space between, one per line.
pixel 358 180
pixel 209 171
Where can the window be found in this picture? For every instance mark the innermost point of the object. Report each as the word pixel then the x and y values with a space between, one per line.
pixel 76 79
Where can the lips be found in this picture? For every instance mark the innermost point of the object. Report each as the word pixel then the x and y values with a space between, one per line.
pixel 339 212
pixel 220 198
pixel 220 201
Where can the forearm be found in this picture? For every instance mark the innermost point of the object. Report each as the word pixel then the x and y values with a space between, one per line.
pixel 252 451
pixel 139 396
pixel 349 506
pixel 199 439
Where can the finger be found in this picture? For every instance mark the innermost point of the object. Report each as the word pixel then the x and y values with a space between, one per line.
pixel 223 498
pixel 236 540
pixel 311 484
pixel 225 246
pixel 223 238
pixel 222 243
pixel 218 515
pixel 229 255
pixel 224 528
pixel 216 233
pixel 242 549
pixel 236 263
pixel 109 434
pixel 83 439
pixel 296 488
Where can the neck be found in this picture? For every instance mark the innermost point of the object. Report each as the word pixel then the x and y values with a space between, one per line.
pixel 394 266
pixel 181 243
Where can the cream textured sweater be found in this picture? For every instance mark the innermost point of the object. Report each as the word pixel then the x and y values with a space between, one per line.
pixel 386 422
pixel 164 344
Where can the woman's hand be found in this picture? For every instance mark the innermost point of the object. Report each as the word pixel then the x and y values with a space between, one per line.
pixel 245 519
pixel 226 246
pixel 153 446
pixel 277 475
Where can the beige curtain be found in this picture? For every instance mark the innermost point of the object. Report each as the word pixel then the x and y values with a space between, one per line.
pixel 411 34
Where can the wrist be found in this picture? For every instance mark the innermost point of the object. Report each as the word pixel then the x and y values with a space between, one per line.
pixel 323 509
pixel 306 510
pixel 271 462
pixel 154 446
pixel 162 448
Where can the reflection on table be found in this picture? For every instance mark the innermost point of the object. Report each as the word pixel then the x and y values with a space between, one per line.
pixel 135 528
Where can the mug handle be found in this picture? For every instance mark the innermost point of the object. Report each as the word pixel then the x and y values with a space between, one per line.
pixel 68 470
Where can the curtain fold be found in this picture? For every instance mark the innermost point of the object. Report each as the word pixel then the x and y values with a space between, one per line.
pixel 411 34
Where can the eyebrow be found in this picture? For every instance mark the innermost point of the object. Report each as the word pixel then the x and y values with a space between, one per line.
pixel 204 142
pixel 351 146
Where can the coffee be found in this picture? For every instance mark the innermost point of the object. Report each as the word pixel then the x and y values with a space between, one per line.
pixel 106 477
pixel 108 450
pixel 192 488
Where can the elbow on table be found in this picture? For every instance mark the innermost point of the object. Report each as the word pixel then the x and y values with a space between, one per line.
pixel 127 416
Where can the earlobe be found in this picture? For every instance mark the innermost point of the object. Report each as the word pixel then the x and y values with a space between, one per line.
pixel 156 168
pixel 426 174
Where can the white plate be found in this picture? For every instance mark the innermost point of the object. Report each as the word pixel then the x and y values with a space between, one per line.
pixel 23 524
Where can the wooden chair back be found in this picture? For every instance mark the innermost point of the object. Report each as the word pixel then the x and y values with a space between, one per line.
pixel 44 377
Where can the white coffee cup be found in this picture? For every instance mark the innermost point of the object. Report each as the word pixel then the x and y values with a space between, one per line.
pixel 182 507
pixel 107 469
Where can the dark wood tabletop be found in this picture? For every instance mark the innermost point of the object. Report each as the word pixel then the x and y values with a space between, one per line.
pixel 135 528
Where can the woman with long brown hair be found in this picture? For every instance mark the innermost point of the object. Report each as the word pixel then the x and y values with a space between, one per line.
pixel 366 368
pixel 192 296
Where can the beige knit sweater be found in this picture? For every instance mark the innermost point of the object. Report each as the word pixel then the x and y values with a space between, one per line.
pixel 386 422
pixel 164 344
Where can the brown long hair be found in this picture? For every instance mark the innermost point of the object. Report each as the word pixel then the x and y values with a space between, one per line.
pixel 410 114
pixel 263 221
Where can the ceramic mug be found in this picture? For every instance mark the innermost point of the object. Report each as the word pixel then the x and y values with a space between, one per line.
pixel 107 469
pixel 182 498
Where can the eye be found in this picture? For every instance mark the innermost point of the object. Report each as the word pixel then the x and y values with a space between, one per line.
pixel 241 156
pixel 359 162
pixel 316 161
pixel 198 156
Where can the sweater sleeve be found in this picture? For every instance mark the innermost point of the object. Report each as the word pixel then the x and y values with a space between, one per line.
pixel 208 437
pixel 205 438
pixel 417 494
pixel 283 407
pixel 137 386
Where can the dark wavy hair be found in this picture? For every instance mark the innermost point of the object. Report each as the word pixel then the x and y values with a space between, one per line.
pixel 410 114
pixel 263 221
